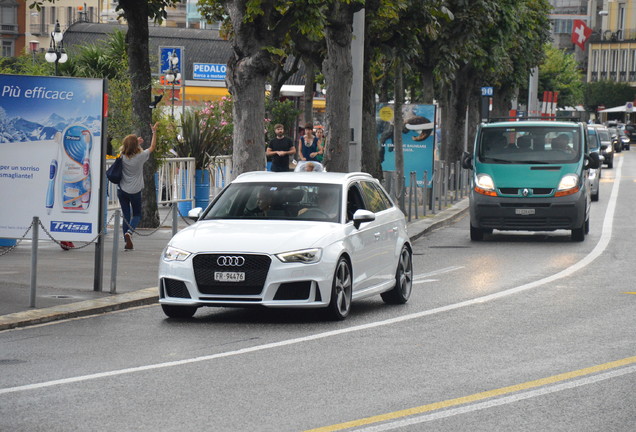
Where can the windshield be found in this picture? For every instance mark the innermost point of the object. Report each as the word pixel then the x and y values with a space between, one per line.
pixel 530 144
pixel 272 201
pixel 594 141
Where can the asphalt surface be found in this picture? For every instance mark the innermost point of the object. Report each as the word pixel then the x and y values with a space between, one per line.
pixel 68 286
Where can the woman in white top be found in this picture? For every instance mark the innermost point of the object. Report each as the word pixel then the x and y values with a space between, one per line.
pixel 132 182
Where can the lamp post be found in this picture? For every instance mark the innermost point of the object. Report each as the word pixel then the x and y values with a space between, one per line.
pixel 173 76
pixel 56 52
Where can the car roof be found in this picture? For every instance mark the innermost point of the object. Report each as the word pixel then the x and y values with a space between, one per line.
pixel 531 123
pixel 301 177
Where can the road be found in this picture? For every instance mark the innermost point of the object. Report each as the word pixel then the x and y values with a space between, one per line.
pixel 523 331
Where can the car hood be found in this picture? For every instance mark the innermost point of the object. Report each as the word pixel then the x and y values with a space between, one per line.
pixel 270 236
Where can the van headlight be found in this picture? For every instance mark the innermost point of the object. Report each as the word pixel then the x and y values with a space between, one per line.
pixel 484 185
pixel 305 256
pixel 568 185
pixel 174 254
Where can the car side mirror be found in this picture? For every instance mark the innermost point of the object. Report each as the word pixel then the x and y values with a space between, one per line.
pixel 195 213
pixel 593 160
pixel 362 216
pixel 467 160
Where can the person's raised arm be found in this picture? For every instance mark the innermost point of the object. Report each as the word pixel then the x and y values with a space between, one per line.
pixel 153 142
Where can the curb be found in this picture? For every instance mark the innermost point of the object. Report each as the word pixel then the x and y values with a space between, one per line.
pixel 80 309
pixel 443 218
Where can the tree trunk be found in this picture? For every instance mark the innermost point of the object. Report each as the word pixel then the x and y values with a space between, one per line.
pixel 308 98
pixel 338 71
pixel 136 14
pixel 246 76
pixel 456 96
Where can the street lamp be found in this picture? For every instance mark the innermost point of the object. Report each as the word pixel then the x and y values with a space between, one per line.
pixel 173 76
pixel 56 52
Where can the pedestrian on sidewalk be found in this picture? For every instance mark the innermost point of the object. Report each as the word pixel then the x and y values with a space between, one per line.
pixel 132 183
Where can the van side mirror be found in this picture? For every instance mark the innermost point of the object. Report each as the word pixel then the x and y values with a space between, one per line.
pixel 467 160
pixel 592 160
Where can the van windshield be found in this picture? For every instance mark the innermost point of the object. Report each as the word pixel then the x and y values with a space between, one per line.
pixel 530 144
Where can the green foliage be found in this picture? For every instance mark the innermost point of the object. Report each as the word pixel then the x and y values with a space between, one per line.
pixel 206 132
pixel 282 112
pixel 560 73
pixel 608 94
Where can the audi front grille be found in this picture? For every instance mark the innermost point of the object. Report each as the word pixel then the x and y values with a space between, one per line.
pixel 255 268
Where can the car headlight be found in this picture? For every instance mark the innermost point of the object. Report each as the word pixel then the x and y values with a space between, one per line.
pixel 484 185
pixel 174 254
pixel 305 256
pixel 568 185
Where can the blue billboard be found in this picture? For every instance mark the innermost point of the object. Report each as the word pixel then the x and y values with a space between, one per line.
pixel 50 155
pixel 418 139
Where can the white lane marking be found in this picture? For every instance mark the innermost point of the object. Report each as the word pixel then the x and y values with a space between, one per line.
pixel 437 272
pixel 595 253
pixel 425 281
pixel 499 401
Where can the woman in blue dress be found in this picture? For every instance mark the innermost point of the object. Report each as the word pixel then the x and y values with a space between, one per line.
pixel 310 148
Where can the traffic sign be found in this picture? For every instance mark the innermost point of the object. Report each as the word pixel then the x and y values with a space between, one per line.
pixel 487 91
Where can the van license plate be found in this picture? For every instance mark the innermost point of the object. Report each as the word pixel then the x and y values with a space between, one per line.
pixel 229 276
pixel 524 211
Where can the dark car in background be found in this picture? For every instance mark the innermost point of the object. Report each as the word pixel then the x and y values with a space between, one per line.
pixel 607 148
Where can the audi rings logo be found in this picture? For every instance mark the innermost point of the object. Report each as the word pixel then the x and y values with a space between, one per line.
pixel 230 261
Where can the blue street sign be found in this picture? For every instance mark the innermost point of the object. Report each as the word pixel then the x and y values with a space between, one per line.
pixel 487 91
pixel 208 71
pixel 164 63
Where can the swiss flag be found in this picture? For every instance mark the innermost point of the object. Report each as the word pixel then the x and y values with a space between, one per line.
pixel 580 33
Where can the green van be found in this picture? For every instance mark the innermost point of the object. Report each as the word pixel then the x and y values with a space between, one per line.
pixel 530 176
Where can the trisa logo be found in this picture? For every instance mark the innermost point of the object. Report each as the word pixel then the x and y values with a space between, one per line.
pixel 71 227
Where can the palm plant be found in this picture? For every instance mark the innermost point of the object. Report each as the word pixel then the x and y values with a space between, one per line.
pixel 197 138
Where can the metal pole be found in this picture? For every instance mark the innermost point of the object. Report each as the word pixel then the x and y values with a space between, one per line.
pixel 34 260
pixel 113 268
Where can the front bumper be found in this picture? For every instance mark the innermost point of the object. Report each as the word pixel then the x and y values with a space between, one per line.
pixel 528 214
pixel 268 282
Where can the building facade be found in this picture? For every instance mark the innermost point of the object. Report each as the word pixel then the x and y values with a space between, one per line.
pixel 612 51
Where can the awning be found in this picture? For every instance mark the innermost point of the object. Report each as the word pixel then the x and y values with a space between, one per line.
pixel 622 108
pixel 319 103
pixel 199 93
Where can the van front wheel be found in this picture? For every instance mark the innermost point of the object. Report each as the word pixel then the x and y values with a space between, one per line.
pixel 578 234
pixel 476 234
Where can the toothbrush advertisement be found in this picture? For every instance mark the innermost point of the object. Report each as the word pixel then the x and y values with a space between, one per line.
pixel 50 155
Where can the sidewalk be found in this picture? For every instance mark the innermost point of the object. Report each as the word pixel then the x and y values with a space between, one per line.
pixel 66 279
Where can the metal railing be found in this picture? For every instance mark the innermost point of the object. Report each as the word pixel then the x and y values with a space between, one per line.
pixel 174 182
pixel 434 192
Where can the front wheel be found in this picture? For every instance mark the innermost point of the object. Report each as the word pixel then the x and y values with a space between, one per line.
pixel 341 291
pixel 476 234
pixel 578 234
pixel 178 311
pixel 403 280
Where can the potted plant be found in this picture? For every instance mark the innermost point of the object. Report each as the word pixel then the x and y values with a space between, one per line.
pixel 205 134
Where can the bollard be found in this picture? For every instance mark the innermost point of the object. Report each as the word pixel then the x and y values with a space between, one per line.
pixel 410 194
pixel 113 267
pixel 445 185
pixel 174 218
pixel 34 260
pixel 425 194
pixel 415 190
